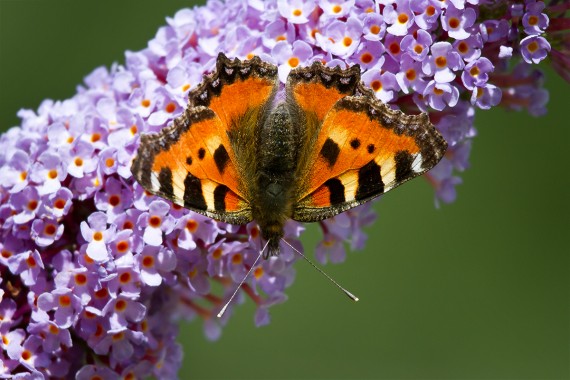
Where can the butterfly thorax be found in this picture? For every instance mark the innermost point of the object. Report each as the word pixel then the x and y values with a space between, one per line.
pixel 276 164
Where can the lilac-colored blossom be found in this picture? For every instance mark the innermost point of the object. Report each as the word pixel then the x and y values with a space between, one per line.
pixel 399 16
pixel 417 46
pixel 341 38
pixel 476 73
pixel 374 27
pixel 534 21
pixel 66 304
pixel 290 56
pixel 296 11
pixel 443 62
pixel 441 95
pixel 456 22
pixel 534 49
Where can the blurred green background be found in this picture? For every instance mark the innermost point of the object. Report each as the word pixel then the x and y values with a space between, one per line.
pixel 478 289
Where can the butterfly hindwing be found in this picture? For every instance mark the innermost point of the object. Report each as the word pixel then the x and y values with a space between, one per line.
pixel 201 162
pixel 363 150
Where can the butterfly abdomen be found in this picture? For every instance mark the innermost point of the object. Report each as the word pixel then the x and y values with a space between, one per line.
pixel 275 175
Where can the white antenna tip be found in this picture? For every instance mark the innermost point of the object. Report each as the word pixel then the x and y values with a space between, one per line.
pixel 221 313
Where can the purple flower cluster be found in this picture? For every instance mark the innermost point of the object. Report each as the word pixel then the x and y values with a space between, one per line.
pixel 96 272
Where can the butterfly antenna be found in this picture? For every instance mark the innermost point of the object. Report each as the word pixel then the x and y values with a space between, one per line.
pixel 349 294
pixel 242 281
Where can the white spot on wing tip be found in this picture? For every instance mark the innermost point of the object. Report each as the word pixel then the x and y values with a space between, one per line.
pixel 154 182
pixel 417 163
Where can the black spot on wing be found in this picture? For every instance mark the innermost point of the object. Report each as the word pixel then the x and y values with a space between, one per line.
pixel 193 195
pixel 404 162
pixel 221 158
pixel 189 160
pixel 220 197
pixel 336 191
pixel 371 148
pixel 330 151
pixel 355 143
pixel 165 180
pixel 369 181
pixel 201 153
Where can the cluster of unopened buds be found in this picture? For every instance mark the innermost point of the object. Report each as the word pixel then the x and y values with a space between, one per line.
pixel 96 272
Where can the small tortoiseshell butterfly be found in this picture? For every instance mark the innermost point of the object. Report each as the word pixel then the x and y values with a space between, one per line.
pixel 240 153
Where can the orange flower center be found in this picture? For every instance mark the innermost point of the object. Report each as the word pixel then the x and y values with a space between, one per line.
pixel 121 305
pixel 64 301
pixel 254 232
pixel 337 9
pixel 533 20
pixel 78 161
pixel 394 48
pixel 474 71
pixel 418 48
pixel 122 246
pixel 366 58
pixel 376 85
pixel 148 261
pixel 26 355
pixel 31 261
pixel 437 91
pixel 97 236
pixel 430 10
pixel 237 259
pixel 374 29
pixel 59 203
pixel 454 22
pixel 441 61
pixel 125 278
pixel 145 103
pixel 532 47
pixel 463 47
pixel 297 12
pixel 50 229
pixel 293 61
pixel 52 174
pixel 32 205
pixel 114 200
pixel 155 221
pixel 411 74
pixel 347 41
pixel 80 279
pixel 95 137
pixel 258 272
pixel 170 107
pixel 217 254
pixel 403 18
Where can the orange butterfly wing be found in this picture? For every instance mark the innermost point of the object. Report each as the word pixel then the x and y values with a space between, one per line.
pixel 361 149
pixel 198 162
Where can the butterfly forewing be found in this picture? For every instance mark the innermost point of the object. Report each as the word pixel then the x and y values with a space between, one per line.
pixel 199 161
pixel 363 150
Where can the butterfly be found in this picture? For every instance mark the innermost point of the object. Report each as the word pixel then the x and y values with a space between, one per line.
pixel 243 151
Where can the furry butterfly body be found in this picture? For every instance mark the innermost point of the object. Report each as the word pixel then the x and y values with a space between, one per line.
pixel 238 153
